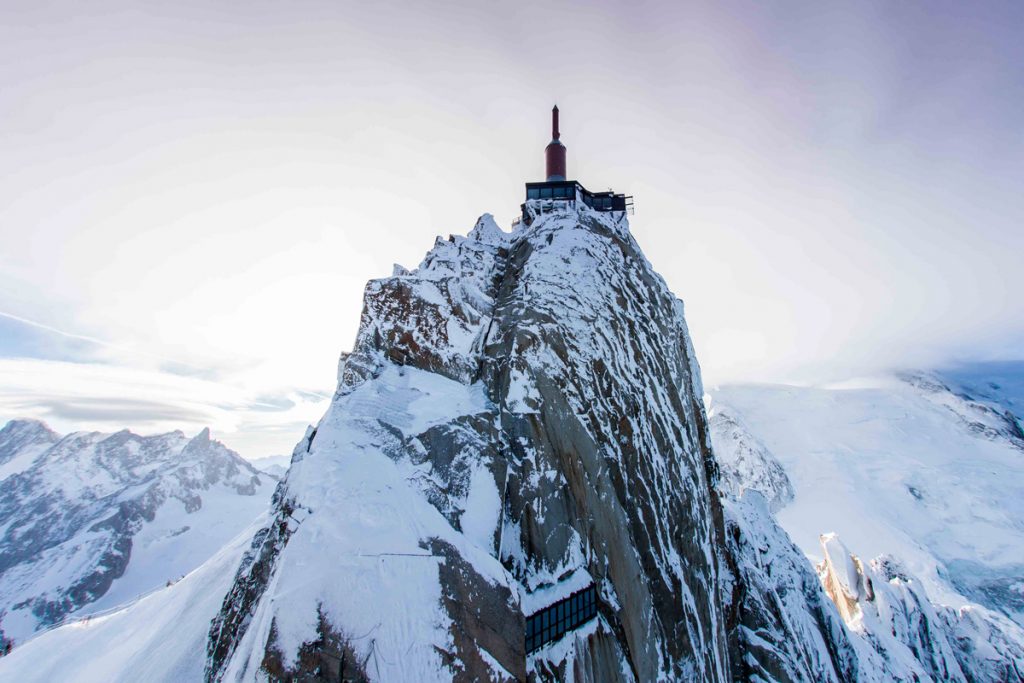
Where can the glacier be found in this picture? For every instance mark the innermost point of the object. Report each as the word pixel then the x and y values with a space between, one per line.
pixel 904 489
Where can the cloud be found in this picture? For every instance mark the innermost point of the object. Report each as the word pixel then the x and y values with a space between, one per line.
pixel 91 410
pixel 74 396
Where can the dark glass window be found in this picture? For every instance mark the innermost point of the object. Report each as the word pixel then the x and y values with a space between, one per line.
pixel 552 622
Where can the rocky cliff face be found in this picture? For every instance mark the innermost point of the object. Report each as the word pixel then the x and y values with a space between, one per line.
pixel 888 608
pixel 520 416
pixel 81 512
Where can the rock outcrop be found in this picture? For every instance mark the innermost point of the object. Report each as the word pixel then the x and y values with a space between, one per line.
pixel 519 421
pixel 914 639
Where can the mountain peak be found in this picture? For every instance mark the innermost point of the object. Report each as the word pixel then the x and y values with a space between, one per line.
pixel 26 438
pixel 27 426
pixel 487 231
pixel 500 408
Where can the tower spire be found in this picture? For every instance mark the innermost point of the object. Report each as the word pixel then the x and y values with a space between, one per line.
pixel 554 153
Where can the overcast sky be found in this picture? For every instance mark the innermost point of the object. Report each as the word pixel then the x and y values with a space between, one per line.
pixel 193 194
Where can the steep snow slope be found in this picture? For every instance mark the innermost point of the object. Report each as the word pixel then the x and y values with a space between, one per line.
pixel 96 519
pixel 158 638
pixel 520 416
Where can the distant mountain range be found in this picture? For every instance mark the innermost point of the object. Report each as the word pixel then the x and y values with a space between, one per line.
pixel 91 520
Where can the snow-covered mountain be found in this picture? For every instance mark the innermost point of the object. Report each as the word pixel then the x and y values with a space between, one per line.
pixel 160 637
pixel 274 465
pixel 916 472
pixel 515 481
pixel 89 520
pixel 520 419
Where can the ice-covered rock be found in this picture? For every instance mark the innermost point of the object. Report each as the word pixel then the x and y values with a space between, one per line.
pixel 887 607
pixel 782 625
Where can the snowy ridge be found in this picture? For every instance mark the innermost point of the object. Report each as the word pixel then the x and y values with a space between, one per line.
pixel 21 442
pixel 889 609
pixel 522 415
pixel 784 627
pixel 97 519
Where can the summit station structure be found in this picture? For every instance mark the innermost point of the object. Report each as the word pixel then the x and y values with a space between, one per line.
pixel 556 187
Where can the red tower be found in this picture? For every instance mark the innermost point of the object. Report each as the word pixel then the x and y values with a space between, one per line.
pixel 554 153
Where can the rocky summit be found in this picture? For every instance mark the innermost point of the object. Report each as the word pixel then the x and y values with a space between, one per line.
pixel 520 420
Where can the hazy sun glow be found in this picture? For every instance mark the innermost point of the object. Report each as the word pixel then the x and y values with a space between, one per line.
pixel 193 196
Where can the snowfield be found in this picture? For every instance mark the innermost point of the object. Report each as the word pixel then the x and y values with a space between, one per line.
pixel 917 466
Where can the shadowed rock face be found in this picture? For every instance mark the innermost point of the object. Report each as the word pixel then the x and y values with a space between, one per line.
pixel 520 409
pixel 589 362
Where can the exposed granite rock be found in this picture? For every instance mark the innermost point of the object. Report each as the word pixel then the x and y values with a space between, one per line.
pixel 782 626
pixel 483 620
